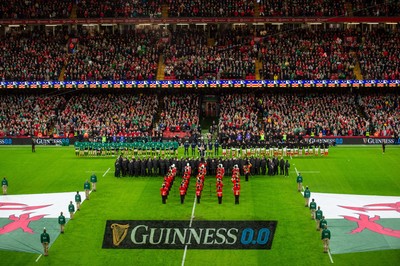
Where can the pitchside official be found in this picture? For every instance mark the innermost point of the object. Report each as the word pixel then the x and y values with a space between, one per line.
pixel 71 209
pixel 4 185
pixel 78 201
pixel 326 236
pixel 299 181
pixel 93 179
pixel 313 208
pixel 318 217
pixel 307 195
pixel 61 222
pixel 45 240
pixel 86 187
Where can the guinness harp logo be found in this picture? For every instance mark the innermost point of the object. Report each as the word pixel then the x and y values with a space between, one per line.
pixel 119 232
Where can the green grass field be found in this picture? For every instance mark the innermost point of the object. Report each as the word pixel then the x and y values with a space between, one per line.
pixel 347 170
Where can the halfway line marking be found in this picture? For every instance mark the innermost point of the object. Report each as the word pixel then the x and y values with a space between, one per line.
pixel 190 225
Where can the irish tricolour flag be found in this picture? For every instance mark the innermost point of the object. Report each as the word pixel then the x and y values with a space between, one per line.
pixel 361 223
pixel 23 217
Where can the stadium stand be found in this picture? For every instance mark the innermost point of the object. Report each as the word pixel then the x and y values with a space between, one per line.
pixel 133 55
pixel 35 9
pixel 231 57
pixel 375 8
pixel 302 8
pixel 108 115
pixel 118 8
pixel 29 114
pixel 31 55
pixel 312 114
pixel 379 53
pixel 211 8
pixel 180 114
pixel 382 113
pixel 307 55
pixel 238 117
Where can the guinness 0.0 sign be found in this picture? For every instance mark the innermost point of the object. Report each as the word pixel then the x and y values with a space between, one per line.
pixel 151 234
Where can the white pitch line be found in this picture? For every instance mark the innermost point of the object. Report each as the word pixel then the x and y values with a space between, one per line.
pixel 106 171
pixel 297 172
pixel 330 256
pixel 190 225
pixel 311 172
pixel 38 258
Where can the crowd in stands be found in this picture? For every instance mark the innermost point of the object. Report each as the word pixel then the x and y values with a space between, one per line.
pixel 304 114
pixel 238 117
pixel 379 55
pixel 35 9
pixel 375 8
pixel 118 8
pixel 211 8
pixel 45 9
pixel 31 55
pixel 286 54
pixel 382 113
pixel 28 115
pixel 180 113
pixel 132 55
pixel 108 115
pixel 304 54
pixel 242 117
pixel 302 8
pixel 312 114
pixel 232 56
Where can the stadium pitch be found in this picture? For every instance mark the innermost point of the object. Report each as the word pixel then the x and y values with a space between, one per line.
pixel 359 171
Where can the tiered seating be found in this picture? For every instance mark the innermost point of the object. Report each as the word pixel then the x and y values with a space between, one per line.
pixel 382 112
pixel 181 113
pixel 28 115
pixel 379 55
pixel 34 9
pixel 118 8
pixel 109 115
pixel 31 56
pixel 232 57
pixel 129 56
pixel 375 8
pixel 302 8
pixel 308 55
pixel 317 114
pixel 211 8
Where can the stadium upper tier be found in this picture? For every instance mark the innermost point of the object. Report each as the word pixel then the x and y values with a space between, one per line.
pixel 242 53
pixel 56 9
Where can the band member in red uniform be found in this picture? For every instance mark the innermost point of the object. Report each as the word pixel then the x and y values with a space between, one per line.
pixel 219 194
pixel 164 192
pixel 236 192
pixel 182 191
pixel 220 171
pixel 198 193
pixel 246 170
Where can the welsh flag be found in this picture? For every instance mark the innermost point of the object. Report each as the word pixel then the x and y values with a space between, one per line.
pixel 360 223
pixel 23 217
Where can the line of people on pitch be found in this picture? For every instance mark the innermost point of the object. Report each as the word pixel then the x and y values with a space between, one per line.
pixel 316 213
pixel 159 166
pixel 45 237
